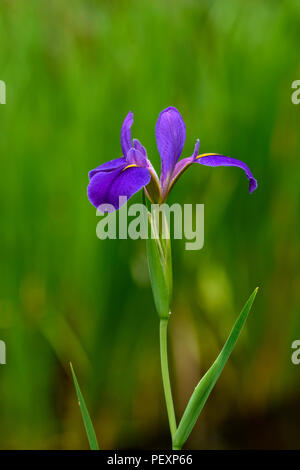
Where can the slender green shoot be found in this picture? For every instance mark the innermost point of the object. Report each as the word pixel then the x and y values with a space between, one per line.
pixel 85 415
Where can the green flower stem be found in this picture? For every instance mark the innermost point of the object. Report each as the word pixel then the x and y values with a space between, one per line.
pixel 163 330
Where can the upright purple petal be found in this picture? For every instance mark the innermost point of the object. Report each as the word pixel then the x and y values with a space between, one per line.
pixel 109 166
pixel 170 138
pixel 107 187
pixel 196 149
pixel 213 159
pixel 183 164
pixel 180 167
pixel 138 146
pixel 135 157
pixel 126 133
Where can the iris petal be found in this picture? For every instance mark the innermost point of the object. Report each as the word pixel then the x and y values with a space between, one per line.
pixel 136 157
pixel 138 146
pixel 182 165
pixel 170 138
pixel 213 159
pixel 108 166
pixel 126 133
pixel 107 187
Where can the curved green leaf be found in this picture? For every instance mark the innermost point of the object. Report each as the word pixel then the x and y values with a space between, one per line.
pixel 206 384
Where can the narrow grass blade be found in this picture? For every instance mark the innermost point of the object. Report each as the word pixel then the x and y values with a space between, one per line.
pixel 206 384
pixel 85 415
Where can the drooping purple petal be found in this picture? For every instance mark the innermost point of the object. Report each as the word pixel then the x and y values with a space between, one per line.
pixel 107 187
pixel 126 133
pixel 213 159
pixel 170 138
pixel 109 166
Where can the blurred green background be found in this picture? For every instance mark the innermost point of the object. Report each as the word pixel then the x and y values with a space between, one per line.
pixel 73 70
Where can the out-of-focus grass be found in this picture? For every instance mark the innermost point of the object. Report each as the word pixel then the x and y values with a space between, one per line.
pixel 72 74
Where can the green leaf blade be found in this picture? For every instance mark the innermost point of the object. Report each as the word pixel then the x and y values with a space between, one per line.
pixel 208 381
pixel 91 435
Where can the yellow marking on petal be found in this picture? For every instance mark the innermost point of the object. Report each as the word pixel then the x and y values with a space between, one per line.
pixel 205 155
pixel 129 166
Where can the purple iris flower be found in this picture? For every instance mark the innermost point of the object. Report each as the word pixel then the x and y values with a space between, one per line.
pixel 133 171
